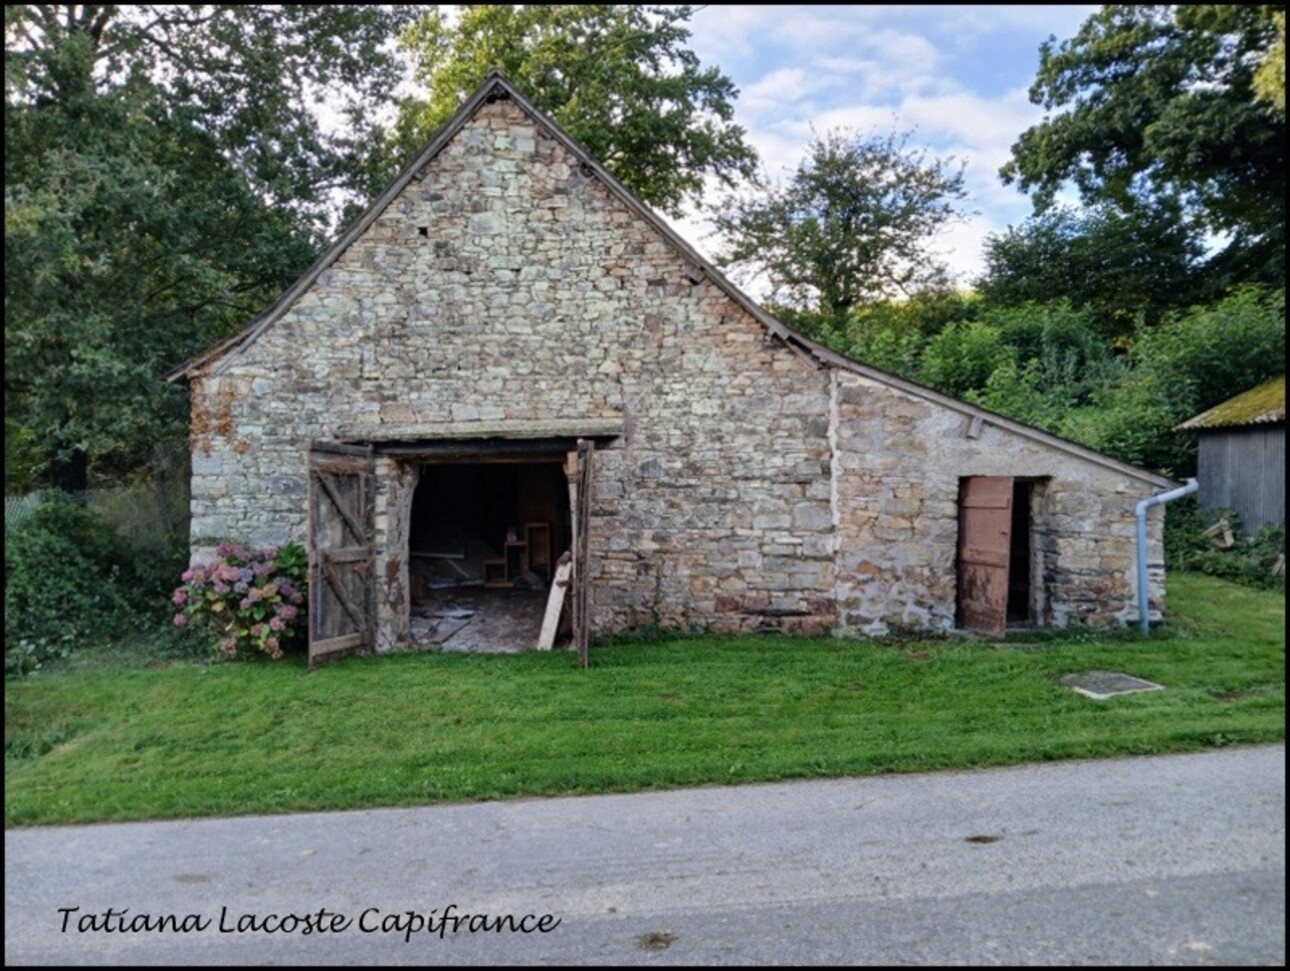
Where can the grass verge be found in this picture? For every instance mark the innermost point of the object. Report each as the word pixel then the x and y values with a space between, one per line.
pixel 97 743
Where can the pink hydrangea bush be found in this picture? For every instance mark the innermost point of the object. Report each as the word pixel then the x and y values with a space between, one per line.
pixel 252 601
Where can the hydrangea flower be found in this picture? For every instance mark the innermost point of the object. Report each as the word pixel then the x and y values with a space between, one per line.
pixel 228 595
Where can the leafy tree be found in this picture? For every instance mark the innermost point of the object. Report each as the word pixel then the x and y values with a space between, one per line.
pixel 24 460
pixel 128 246
pixel 1060 363
pixel 892 334
pixel 1054 334
pixel 1193 361
pixel 164 181
pixel 881 343
pixel 1210 353
pixel 1270 78
pixel 963 356
pixel 1160 100
pixel 619 78
pixel 1132 421
pixel 244 76
pixel 850 227
pixel 1127 268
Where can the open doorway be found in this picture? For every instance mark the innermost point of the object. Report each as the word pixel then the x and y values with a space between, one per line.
pixel 483 541
pixel 1020 600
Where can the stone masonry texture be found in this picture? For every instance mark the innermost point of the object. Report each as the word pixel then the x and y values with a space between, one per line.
pixel 899 460
pixel 752 488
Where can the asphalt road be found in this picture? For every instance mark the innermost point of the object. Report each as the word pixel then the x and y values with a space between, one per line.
pixel 1170 860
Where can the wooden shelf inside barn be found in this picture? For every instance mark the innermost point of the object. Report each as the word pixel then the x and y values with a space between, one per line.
pixel 503 571
pixel 495 573
pixel 517 558
pixel 538 538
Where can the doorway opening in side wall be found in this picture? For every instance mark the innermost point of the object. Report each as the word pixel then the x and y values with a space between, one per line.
pixel 484 538
pixel 1021 543
pixel 1000 556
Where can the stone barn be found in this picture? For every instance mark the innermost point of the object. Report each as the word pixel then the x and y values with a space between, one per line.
pixel 509 357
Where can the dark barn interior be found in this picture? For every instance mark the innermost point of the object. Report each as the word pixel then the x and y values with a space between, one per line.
pixel 483 541
pixel 1019 592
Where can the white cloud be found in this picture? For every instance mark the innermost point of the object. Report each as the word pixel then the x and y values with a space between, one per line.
pixel 956 77
pixel 783 85
pixel 1040 20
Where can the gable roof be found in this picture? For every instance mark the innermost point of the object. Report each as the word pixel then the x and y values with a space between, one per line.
pixel 496 85
pixel 1261 405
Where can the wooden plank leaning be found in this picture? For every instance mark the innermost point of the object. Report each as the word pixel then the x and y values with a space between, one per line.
pixel 555 602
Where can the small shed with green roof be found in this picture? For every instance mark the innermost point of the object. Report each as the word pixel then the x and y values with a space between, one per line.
pixel 1243 455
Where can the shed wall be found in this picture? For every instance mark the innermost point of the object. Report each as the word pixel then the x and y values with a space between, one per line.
pixel 898 464
pixel 1245 469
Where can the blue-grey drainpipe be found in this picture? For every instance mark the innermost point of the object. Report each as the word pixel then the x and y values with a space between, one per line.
pixel 1144 598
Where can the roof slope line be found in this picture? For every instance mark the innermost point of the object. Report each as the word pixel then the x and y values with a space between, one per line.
pixel 498 85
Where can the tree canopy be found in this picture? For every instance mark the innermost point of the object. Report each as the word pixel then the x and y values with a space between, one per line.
pixel 1270 78
pixel 1129 268
pixel 850 226
pixel 1161 100
pixel 165 179
pixel 619 78
pixel 249 78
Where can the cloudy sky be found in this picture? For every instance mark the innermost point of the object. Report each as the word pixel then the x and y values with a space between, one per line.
pixel 956 76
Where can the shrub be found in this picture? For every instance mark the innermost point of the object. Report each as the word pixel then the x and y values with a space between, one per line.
pixel 1133 422
pixel 66 577
pixel 1204 356
pixel 1248 561
pixel 251 602
pixel 28 655
pixel 1190 363
pixel 963 356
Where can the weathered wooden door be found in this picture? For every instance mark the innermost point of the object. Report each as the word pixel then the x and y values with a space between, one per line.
pixel 985 536
pixel 582 548
pixel 341 601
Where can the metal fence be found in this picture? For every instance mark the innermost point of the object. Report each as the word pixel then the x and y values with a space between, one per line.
pixel 18 508
pixel 149 516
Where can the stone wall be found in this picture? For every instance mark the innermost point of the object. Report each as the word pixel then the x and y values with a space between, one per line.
pixel 508 283
pixel 898 463
pixel 751 489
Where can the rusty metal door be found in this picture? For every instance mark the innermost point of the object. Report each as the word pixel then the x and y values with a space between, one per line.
pixel 985 538
pixel 341 601
pixel 582 548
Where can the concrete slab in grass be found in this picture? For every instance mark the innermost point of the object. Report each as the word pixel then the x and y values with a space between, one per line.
pixel 1100 685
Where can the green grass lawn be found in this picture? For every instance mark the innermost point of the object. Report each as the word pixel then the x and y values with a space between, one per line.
pixel 109 742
